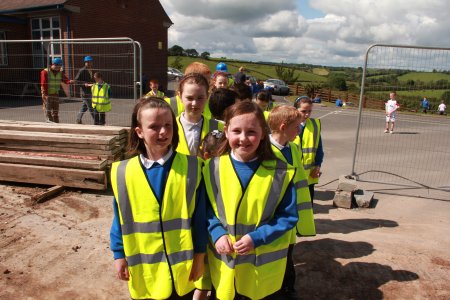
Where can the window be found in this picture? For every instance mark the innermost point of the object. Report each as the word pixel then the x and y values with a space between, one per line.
pixel 3 54
pixel 47 28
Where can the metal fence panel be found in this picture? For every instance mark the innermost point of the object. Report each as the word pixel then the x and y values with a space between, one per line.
pixel 416 157
pixel 118 59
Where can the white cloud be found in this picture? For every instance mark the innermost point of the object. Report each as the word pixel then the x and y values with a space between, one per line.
pixel 270 30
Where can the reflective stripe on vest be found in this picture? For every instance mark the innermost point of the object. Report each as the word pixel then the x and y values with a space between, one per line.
pixel 309 145
pixel 157 236
pixel 53 81
pixel 176 105
pixel 100 98
pixel 208 125
pixel 305 225
pixel 245 211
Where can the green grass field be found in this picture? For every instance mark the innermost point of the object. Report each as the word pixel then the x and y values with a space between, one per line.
pixel 424 76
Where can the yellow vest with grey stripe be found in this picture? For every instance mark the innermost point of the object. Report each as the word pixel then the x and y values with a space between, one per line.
pixel 305 225
pixel 176 104
pixel 158 94
pixel 260 272
pixel 53 81
pixel 309 143
pixel 208 125
pixel 100 97
pixel 157 238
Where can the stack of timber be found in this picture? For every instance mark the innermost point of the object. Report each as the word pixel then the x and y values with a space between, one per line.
pixel 69 155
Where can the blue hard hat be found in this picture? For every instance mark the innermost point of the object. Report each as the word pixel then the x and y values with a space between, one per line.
pixel 88 58
pixel 57 61
pixel 222 67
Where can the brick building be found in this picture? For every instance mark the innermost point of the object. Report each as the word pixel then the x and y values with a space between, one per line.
pixel 143 21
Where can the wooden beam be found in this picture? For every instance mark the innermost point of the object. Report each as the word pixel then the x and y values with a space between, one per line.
pixel 51 192
pixel 57 137
pixel 49 161
pixel 95 180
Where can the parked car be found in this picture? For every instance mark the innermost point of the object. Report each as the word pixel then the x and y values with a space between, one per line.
pixel 174 74
pixel 278 86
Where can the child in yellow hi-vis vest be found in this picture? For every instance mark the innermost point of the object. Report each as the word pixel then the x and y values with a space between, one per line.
pixel 158 235
pixel 101 99
pixel 284 122
pixel 252 208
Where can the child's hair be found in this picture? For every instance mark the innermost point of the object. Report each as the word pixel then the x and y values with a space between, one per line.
pixel 200 68
pixel 98 75
pixel 302 99
pixel 264 149
pixel 282 114
pixel 208 146
pixel 196 78
pixel 263 96
pixel 154 81
pixel 135 143
pixel 243 91
pixel 220 100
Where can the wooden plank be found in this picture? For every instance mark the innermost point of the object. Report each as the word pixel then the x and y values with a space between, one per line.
pixel 62 128
pixel 85 179
pixel 60 137
pixel 53 191
pixel 56 144
pixel 42 148
pixel 50 161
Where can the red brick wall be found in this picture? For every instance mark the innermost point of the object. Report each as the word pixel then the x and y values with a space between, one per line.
pixel 143 21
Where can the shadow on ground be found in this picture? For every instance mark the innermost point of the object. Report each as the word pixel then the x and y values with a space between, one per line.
pixel 324 226
pixel 321 276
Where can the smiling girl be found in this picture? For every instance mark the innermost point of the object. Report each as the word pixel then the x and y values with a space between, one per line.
pixel 252 208
pixel 158 235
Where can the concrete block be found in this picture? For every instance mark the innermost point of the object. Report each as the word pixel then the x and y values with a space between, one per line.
pixel 363 198
pixel 343 199
pixel 347 183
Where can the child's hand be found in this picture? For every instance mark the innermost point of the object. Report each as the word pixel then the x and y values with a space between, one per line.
pixel 198 266
pixel 121 267
pixel 315 173
pixel 244 245
pixel 224 245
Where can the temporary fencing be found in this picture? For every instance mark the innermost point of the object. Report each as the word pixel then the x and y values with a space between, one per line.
pixel 415 158
pixel 118 59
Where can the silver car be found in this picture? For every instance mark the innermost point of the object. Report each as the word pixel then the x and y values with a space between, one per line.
pixel 174 74
pixel 278 87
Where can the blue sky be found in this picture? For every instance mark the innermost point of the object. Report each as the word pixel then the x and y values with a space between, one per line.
pixel 323 32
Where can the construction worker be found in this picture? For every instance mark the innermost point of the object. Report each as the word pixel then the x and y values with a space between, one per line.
pixel 50 85
pixel 85 78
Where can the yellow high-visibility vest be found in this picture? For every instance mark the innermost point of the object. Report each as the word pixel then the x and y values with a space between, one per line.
pixel 305 225
pixel 157 238
pixel 208 125
pixel 100 97
pixel 260 272
pixel 53 81
pixel 158 94
pixel 308 143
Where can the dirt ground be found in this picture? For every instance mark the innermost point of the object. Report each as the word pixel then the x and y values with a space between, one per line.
pixel 59 249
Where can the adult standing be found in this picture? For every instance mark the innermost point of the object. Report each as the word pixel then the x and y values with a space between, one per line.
pixel 240 76
pixel 50 85
pixel 85 78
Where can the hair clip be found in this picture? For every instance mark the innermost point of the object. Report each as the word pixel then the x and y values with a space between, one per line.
pixel 217 134
pixel 300 98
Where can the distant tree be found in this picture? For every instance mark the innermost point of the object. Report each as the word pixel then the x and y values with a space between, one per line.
pixel 410 82
pixel 191 52
pixel 176 50
pixel 446 96
pixel 286 74
pixel 205 55
pixel 177 63
pixel 336 81
pixel 311 89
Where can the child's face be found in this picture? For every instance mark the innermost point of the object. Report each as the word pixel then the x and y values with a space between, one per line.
pixel 154 86
pixel 244 133
pixel 262 104
pixel 305 110
pixel 291 130
pixel 221 82
pixel 156 129
pixel 194 98
pixel 98 79
pixel 392 96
